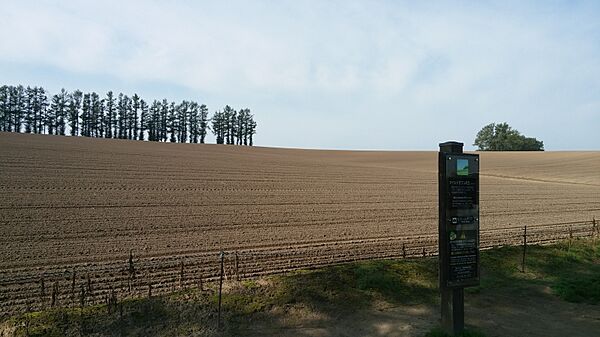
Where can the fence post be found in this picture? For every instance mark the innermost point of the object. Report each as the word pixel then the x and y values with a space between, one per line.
pixel 109 298
pixel 27 321
pixel 181 275
pixel 237 261
pixel 82 296
pixel 524 248
pixel 73 288
pixel 54 294
pixel 570 236
pixel 89 285
pixel 222 256
pixel 42 292
pixel 594 230
pixel 131 270
pixel 424 253
pixel 403 250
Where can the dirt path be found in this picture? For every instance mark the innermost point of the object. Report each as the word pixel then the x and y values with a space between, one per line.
pixel 531 313
pixel 499 313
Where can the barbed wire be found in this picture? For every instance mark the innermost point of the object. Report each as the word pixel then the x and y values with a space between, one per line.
pixel 138 276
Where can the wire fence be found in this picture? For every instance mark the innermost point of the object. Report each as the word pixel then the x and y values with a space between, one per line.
pixel 107 282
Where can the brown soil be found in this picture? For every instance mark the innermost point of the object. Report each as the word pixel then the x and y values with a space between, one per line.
pixel 73 208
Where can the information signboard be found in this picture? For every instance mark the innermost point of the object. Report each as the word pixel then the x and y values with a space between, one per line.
pixel 459 185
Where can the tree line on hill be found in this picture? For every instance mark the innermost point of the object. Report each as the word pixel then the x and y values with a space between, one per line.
pixel 30 110
pixel 502 137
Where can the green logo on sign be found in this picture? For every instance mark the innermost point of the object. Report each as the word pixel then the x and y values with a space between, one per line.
pixel 462 167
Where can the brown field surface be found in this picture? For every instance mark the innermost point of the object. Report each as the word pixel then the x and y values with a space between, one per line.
pixel 72 209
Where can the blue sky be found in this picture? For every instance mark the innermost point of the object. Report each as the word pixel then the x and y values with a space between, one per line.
pixel 387 75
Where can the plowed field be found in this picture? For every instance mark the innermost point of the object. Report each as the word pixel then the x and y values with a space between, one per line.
pixel 72 210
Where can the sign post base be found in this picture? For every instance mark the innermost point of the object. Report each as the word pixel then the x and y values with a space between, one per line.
pixel 453 310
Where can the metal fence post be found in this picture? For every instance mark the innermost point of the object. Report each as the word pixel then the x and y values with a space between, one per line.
pixel 222 256
pixel 570 236
pixel 237 265
pixel 181 275
pixel 524 248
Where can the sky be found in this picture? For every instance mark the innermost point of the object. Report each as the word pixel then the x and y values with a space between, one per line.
pixel 386 75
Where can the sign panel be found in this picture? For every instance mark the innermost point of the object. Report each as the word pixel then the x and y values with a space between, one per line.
pixel 460 230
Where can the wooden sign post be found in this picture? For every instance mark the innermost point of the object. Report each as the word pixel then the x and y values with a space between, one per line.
pixel 458 231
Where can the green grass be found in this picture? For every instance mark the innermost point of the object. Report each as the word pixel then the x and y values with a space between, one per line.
pixel 572 273
pixel 157 316
pixel 356 285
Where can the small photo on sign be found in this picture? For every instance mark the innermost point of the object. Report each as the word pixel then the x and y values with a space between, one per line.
pixel 462 167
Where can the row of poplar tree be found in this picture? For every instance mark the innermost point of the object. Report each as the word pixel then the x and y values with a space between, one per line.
pixel 119 116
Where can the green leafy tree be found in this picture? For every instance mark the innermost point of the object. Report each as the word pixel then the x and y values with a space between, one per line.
pixel 128 133
pixel 134 117
pixel 4 107
pixel 17 107
pixel 58 113
pixel 97 116
pixel 86 115
pixel 74 107
pixel 183 112
pixel 203 122
pixel 154 122
pixel 228 122
pixel 41 105
pixel 59 105
pixel 35 104
pixel 143 119
pixel 243 125
pixel 28 110
pixel 193 122
pixel 164 117
pixel 501 137
pixel 219 126
pixel 232 125
pixel 172 122
pixel 122 103
pixel 111 115
pixel 251 130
